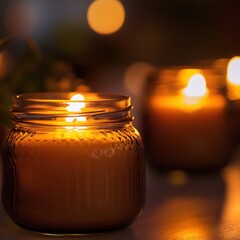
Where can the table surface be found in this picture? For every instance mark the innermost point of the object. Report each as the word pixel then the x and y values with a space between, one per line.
pixel 178 206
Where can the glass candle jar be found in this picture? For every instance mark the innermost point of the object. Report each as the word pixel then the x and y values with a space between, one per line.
pixel 187 125
pixel 73 166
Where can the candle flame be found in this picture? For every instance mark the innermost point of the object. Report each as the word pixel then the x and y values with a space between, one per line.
pixel 197 86
pixel 233 71
pixel 76 107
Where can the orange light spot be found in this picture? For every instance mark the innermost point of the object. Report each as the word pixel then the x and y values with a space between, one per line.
pixel 106 16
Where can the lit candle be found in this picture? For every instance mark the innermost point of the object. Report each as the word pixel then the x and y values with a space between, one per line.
pixel 233 78
pixel 72 169
pixel 187 129
pixel 233 87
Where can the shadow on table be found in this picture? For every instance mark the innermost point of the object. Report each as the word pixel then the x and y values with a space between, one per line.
pixel 10 231
pixel 126 233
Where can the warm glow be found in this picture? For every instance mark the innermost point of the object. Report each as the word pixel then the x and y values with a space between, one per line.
pixel 135 77
pixel 76 107
pixel 106 16
pixel 177 177
pixel 233 72
pixel 231 211
pixel 185 74
pixel 196 86
pixel 192 233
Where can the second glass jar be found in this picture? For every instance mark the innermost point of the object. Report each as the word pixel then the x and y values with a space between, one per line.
pixel 188 125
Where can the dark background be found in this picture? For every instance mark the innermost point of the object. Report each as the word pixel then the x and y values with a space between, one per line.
pixel 155 33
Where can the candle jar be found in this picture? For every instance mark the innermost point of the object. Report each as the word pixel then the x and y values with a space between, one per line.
pixel 230 71
pixel 73 166
pixel 187 132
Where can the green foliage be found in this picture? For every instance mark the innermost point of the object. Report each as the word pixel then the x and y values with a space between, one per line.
pixel 31 72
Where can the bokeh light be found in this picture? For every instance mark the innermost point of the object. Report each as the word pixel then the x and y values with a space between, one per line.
pixel 106 16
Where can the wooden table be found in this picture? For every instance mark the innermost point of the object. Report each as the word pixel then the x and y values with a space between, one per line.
pixel 177 207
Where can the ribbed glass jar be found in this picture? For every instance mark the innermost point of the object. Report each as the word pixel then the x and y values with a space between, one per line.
pixel 73 166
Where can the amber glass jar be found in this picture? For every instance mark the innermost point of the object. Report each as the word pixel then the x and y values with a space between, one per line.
pixel 73 166
pixel 187 130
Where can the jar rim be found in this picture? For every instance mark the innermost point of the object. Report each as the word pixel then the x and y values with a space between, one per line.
pixel 52 108
pixel 65 96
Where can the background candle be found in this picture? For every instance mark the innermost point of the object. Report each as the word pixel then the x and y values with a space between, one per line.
pixel 187 129
pixel 233 78
pixel 233 93
pixel 84 176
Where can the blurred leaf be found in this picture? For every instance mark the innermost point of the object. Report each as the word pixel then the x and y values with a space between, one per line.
pixel 33 48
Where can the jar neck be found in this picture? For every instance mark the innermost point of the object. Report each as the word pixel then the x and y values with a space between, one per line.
pixel 72 110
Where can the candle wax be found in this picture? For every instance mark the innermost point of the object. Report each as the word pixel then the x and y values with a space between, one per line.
pixel 77 180
pixel 188 133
